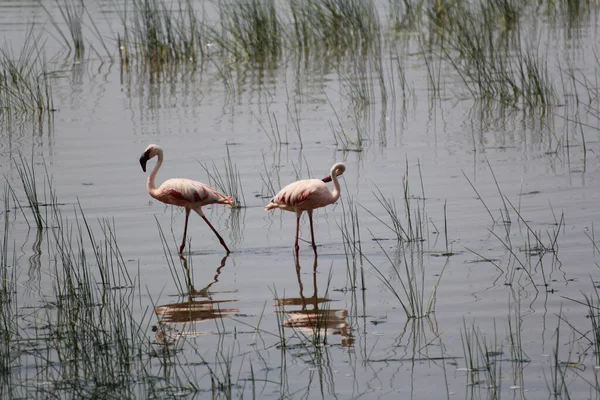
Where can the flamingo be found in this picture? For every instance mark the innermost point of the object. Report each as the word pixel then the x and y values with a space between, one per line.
pixel 306 195
pixel 192 195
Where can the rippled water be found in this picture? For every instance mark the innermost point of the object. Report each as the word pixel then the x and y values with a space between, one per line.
pixel 433 145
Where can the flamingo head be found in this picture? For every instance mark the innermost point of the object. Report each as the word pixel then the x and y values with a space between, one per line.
pixel 151 151
pixel 339 169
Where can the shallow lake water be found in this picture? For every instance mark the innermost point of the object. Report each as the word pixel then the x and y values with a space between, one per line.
pixel 502 201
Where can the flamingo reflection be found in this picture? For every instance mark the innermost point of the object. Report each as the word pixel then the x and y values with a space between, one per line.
pixel 313 315
pixel 191 310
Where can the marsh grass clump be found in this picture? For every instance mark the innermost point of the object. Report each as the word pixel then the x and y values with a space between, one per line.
pixel 9 308
pixel 483 365
pixel 26 172
pixel 496 64
pixel 405 279
pixel 72 12
pixel 411 227
pixel 85 338
pixel 591 335
pixel 350 228
pixel 336 26
pixel 250 30
pixel 345 140
pixel 229 183
pixel 530 257
pixel 160 33
pixel 24 78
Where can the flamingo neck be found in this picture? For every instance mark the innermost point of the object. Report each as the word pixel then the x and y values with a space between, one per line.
pixel 151 185
pixel 336 184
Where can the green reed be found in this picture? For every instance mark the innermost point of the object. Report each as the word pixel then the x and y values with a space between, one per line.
pixel 160 33
pixel 9 308
pixel 72 12
pixel 26 172
pixel 482 359
pixel 85 337
pixel 229 182
pixel 496 64
pixel 24 78
pixel 335 26
pixel 411 227
pixel 345 140
pixel 250 30
pixel 406 280
pixel 591 334
pixel 350 227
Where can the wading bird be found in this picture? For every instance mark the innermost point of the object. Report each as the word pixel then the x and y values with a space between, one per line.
pixel 306 195
pixel 191 195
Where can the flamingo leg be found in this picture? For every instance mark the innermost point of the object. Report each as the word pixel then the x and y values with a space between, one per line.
pixel 298 214
pixel 216 233
pixel 187 216
pixel 312 231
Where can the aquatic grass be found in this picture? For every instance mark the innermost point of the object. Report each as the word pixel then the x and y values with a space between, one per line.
pixel 159 34
pixel 229 183
pixel 24 78
pixel 86 338
pixel 515 330
pixel 350 228
pixel 335 26
pixel 591 333
pixel 249 30
pixel 505 13
pixel 479 197
pixel 9 308
pixel 345 141
pixel 481 358
pixel 268 180
pixel 503 69
pixel 274 133
pixel 72 13
pixel 359 87
pixel 26 172
pixel 404 14
pixel 413 230
pixel 182 287
pixel 411 280
pixel 559 381
pixel 395 225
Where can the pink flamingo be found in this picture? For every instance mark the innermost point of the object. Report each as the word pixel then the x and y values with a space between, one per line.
pixel 306 195
pixel 191 195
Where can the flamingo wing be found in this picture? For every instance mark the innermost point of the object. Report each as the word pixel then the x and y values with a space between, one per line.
pixel 188 193
pixel 296 194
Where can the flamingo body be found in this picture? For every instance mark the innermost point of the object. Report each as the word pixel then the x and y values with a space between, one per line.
pixel 182 192
pixel 187 193
pixel 303 195
pixel 306 195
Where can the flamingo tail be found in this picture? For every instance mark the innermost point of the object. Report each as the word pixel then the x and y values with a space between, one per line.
pixel 226 200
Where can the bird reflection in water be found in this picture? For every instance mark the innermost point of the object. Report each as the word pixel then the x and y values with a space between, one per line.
pixel 313 315
pixel 191 311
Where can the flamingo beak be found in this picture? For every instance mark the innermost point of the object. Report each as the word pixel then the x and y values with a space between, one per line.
pixel 328 177
pixel 143 160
